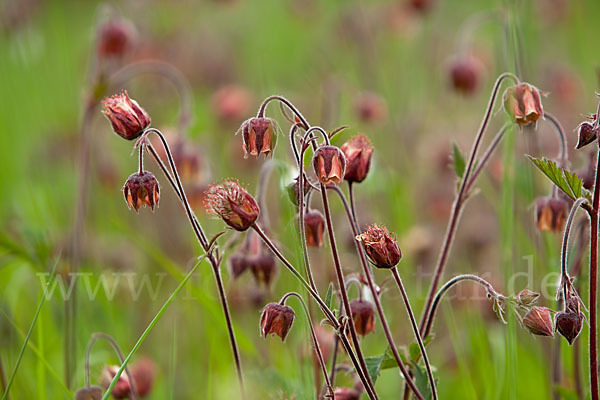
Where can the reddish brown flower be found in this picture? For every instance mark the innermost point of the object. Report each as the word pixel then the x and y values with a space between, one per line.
pixel 259 136
pixel 363 316
pixel 122 389
pixel 188 160
pixel 370 107
pixel 358 151
pixel 143 373
pixel 276 319
pixel 128 119
pixel 233 204
pixel 345 393
pixel 569 324
pixel 314 227
pixel 115 38
pixel 329 163
pixel 539 321
pixel 586 134
pixel 238 264
pixel 263 267
pixel 551 214
pixel 381 248
pixel 89 393
pixel 231 103
pixel 141 188
pixel 464 74
pixel 523 104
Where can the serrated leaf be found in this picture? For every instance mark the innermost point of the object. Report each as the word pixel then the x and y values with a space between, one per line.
pixel 458 161
pixel 422 381
pixel 329 295
pixel 568 182
pixel 374 366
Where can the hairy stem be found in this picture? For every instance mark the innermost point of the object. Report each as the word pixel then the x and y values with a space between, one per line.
pixel 593 284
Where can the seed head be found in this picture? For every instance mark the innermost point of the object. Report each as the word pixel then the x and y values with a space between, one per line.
pixel 329 163
pixel 141 188
pixel 314 227
pixel 232 203
pixel 128 119
pixel 523 104
pixel 276 319
pixel 539 321
pixel 363 316
pixel 358 151
pixel 380 246
pixel 551 213
pixel 259 136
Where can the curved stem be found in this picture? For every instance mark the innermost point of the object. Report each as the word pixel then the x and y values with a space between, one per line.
pixel 367 272
pixel 168 71
pixel 458 203
pixel 263 106
pixel 314 338
pixel 564 154
pixel 115 346
pixel 322 131
pixel 341 282
pixel 415 327
pixel 438 297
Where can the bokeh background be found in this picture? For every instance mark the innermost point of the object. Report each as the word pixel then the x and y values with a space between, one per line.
pixel 382 68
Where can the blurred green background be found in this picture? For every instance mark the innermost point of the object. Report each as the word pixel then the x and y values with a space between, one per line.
pixel 324 56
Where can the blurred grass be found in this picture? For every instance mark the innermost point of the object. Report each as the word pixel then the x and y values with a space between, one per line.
pixel 272 47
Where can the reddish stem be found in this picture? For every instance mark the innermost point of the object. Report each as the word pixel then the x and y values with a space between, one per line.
pixel 593 284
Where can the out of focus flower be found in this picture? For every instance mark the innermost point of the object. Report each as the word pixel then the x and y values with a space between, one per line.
pixel 263 267
pixel 363 316
pixel 345 393
pixel 231 103
pixel 115 38
pixel 143 373
pixel 539 321
pixel 122 389
pixel 141 188
pixel 233 204
pixel 523 104
pixel 259 136
pixel 127 118
pixel 358 151
pixel 89 393
pixel 329 163
pixel 381 248
pixel 465 74
pixel 314 227
pixel 370 107
pixel 551 213
pixel 276 319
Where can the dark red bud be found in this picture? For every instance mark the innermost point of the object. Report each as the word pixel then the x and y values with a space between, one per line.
pixel 586 134
pixel 127 118
pixel 363 315
pixel 539 321
pixel 464 74
pixel 238 264
pixel 276 319
pixel 314 227
pixel 381 248
pixel 115 38
pixel 329 163
pixel 358 151
pixel 551 214
pixel 569 324
pixel 263 267
pixel 143 373
pixel 259 136
pixel 141 188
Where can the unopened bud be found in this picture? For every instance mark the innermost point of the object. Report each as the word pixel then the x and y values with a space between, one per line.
pixel 314 227
pixel 586 134
pixel 526 297
pixel 539 321
pixel 276 319
pixel 127 118
pixel 363 315
pixel 358 151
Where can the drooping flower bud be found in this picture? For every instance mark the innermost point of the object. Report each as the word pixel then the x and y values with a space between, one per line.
pixel 539 321
pixel 370 107
pixel 122 389
pixel 526 297
pixel 141 188
pixel 89 393
pixel 345 393
pixel 128 119
pixel 238 264
pixel 586 134
pixel 276 319
pixel 293 189
pixel 523 104
pixel 551 214
pixel 263 267
pixel 259 136
pixel 464 74
pixel 329 163
pixel 358 151
pixel 569 324
pixel 143 373
pixel 115 38
pixel 363 315
pixel 314 227
pixel 233 204
pixel 381 248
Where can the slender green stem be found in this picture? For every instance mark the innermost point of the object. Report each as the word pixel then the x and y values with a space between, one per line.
pixel 145 334
pixel 29 332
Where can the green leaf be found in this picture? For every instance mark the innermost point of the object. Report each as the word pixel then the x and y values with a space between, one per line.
pixel 374 366
pixel 422 381
pixel 329 295
pixel 568 182
pixel 414 351
pixel 458 161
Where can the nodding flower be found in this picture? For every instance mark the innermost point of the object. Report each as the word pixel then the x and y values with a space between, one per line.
pixel 523 104
pixel 363 316
pixel 538 321
pixel 232 203
pixel 358 151
pixel 127 118
pixel 329 163
pixel 141 188
pixel 551 214
pixel 570 321
pixel 380 246
pixel 259 136
pixel 276 319
pixel 314 228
